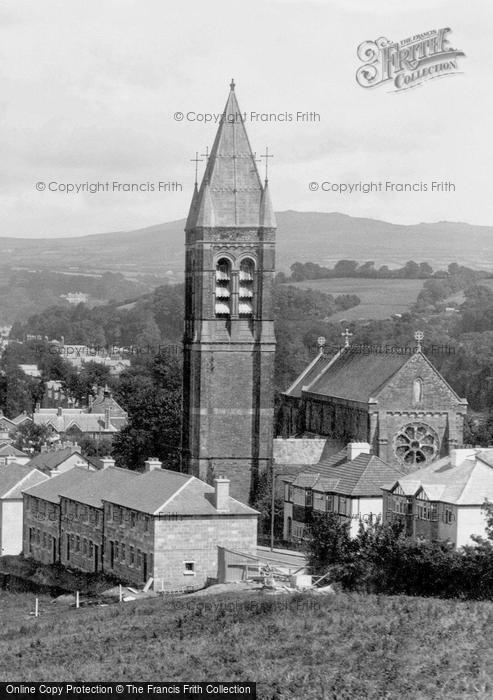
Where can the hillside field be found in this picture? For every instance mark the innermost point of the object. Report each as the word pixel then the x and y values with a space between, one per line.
pixel 380 298
pixel 345 647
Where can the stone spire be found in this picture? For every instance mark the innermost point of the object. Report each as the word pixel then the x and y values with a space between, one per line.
pixel 192 213
pixel 231 193
pixel 267 216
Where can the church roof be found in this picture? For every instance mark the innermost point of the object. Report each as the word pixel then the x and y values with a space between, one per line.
pixel 362 476
pixel 309 374
pixel 356 376
pixel 231 193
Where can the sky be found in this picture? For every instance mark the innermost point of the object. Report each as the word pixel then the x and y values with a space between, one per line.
pixel 90 93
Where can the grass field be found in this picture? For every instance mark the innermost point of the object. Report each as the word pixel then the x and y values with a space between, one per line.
pixel 346 647
pixel 379 298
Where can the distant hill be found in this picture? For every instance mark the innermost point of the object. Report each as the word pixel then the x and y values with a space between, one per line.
pixel 303 236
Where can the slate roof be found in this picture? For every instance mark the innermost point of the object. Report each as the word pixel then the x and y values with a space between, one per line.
pixel 15 477
pixel 51 460
pixel 166 491
pixel 49 490
pixel 468 483
pixel 309 374
pixel 102 402
pixel 86 422
pixel 363 476
pixel 100 485
pixel 231 193
pixel 10 450
pixel 357 377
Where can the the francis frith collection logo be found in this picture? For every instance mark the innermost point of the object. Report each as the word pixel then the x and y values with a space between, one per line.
pixel 409 62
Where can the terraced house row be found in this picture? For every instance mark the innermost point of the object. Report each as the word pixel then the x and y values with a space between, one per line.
pixel 158 524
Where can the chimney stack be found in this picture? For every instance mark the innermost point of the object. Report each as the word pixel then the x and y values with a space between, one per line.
pixel 357 448
pixel 107 462
pixel 152 464
pixel 221 494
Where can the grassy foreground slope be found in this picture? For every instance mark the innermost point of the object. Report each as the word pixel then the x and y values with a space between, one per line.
pixel 348 646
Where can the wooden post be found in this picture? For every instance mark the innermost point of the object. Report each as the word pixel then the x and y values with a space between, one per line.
pixel 76 599
pixel 120 592
pixel 36 607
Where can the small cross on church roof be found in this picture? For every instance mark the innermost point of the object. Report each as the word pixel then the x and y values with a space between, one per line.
pixel 418 337
pixel 346 335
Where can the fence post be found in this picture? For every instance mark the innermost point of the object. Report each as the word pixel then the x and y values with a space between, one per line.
pixel 76 599
pixel 36 607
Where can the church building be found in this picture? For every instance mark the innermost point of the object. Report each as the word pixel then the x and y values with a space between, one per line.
pixel 229 338
pixel 397 402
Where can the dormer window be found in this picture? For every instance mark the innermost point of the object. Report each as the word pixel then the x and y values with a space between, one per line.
pixel 245 292
pixel 222 304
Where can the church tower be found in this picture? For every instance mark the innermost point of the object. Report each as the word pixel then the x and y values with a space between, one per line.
pixel 229 338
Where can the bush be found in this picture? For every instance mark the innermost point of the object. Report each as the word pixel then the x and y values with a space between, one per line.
pixel 382 560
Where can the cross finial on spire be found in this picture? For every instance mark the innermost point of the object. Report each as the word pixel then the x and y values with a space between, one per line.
pixel 266 155
pixel 346 335
pixel 206 154
pixel 196 160
pixel 418 337
pixel 232 84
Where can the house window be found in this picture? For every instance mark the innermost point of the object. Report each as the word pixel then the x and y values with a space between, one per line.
pixel 308 498
pixel 222 301
pixel 132 519
pixel 77 543
pixel 448 515
pixel 132 556
pixel 342 505
pixel 122 554
pixel 245 292
pixel 189 568
pixel 84 547
pixel 329 502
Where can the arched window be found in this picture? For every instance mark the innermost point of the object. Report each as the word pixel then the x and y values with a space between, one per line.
pixel 245 294
pixel 222 306
pixel 417 390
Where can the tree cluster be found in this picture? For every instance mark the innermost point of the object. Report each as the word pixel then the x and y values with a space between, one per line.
pixel 382 560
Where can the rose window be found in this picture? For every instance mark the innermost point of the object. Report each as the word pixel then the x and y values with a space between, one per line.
pixel 416 444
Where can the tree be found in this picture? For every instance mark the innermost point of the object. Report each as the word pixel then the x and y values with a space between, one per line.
pixel 263 502
pixel 151 393
pixel 328 542
pixel 30 437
